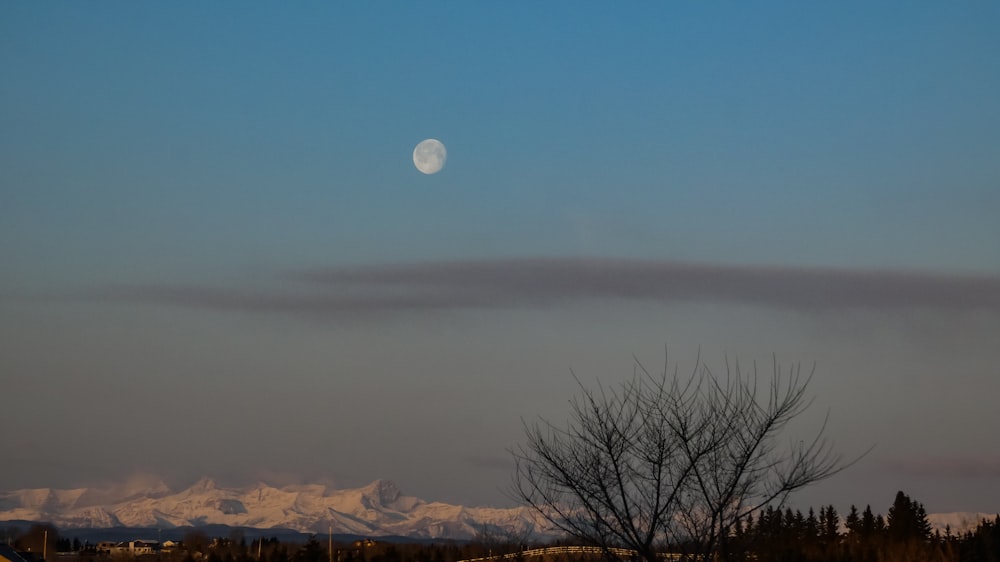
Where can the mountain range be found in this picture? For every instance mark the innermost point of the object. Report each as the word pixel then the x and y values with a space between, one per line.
pixel 378 509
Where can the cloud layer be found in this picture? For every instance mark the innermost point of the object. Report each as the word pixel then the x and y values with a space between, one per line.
pixel 945 467
pixel 521 283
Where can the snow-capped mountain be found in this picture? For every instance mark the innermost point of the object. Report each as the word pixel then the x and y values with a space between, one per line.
pixel 377 509
pixel 957 522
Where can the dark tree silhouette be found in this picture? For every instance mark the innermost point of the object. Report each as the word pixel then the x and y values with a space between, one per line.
pixel 907 519
pixel 671 462
pixel 38 539
pixel 312 551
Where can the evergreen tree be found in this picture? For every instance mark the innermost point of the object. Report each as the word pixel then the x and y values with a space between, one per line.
pixel 796 524
pixel 810 530
pixel 853 521
pixel 869 524
pixel 907 519
pixel 829 523
pixel 278 554
pixel 312 551
pixel 982 544
pixel 772 524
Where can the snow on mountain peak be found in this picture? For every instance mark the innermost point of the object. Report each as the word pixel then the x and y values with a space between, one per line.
pixel 377 509
pixel 958 522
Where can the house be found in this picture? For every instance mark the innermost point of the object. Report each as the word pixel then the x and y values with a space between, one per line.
pixel 143 547
pixel 8 554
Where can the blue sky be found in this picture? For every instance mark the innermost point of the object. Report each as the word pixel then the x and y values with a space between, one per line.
pixel 215 242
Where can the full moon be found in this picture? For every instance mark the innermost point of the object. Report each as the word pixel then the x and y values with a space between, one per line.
pixel 429 156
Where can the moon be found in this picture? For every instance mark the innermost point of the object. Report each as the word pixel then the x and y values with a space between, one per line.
pixel 429 156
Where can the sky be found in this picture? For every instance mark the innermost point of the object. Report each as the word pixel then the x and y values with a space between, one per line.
pixel 219 260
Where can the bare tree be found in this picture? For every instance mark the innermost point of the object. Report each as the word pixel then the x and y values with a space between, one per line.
pixel 494 540
pixel 670 462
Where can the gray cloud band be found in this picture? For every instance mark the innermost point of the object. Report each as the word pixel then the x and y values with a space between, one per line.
pixel 940 467
pixel 516 283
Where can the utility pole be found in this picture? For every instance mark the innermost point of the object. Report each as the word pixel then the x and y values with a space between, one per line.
pixel 330 547
pixel 45 544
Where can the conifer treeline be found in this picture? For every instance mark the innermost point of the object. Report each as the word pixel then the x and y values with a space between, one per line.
pixel 903 535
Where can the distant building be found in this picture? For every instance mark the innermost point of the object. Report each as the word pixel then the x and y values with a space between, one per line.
pixel 143 547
